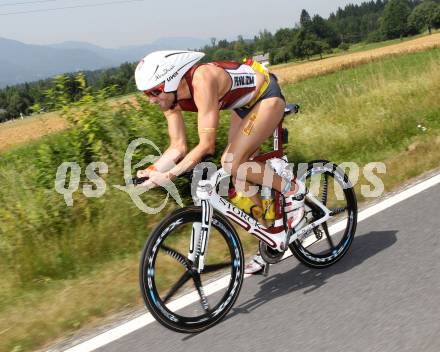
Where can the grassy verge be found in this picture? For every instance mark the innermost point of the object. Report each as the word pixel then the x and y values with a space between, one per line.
pixel 368 113
pixel 386 111
pixel 35 316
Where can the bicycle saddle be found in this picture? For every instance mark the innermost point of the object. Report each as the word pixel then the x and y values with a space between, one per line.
pixel 291 108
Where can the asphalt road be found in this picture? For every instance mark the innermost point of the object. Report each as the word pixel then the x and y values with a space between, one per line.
pixel 384 296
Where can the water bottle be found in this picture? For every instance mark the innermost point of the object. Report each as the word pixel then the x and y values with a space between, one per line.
pixel 245 203
pixel 267 203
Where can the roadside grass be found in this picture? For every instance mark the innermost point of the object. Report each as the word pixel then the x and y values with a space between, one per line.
pixel 35 316
pixel 65 305
pixel 386 111
pixel 368 113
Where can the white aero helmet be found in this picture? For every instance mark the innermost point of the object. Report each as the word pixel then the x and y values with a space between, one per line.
pixel 166 67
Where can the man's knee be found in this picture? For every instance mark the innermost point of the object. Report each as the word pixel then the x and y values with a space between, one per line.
pixel 274 104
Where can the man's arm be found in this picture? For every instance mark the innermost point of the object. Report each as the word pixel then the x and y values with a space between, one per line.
pixel 177 149
pixel 206 100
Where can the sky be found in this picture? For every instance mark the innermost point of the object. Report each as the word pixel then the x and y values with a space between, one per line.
pixel 116 23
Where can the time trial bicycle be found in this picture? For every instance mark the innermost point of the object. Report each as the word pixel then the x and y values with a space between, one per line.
pixel 196 252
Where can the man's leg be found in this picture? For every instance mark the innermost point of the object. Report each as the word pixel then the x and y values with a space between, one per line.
pixel 234 127
pixel 246 136
pixel 254 129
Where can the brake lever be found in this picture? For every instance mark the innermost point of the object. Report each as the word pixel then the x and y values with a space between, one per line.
pixel 139 180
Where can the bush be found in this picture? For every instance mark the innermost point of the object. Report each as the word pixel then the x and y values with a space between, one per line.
pixel 375 37
pixel 279 56
pixel 344 46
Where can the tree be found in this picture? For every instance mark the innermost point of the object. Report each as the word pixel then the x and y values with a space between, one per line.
pixel 223 43
pixel 279 56
pixel 264 41
pixel 436 21
pixel 223 54
pixel 305 19
pixel 425 15
pixel 395 19
pixel 320 47
pixel 324 30
pixel 354 22
pixel 307 44
pixel 283 36
pixel 15 105
pixel 297 46
pixel 241 48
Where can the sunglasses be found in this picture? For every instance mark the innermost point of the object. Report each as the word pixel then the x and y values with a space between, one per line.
pixel 155 92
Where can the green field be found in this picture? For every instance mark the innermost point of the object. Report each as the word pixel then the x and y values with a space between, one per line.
pixel 367 113
pixel 64 268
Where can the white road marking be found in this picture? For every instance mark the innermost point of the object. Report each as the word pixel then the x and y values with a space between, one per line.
pixel 146 319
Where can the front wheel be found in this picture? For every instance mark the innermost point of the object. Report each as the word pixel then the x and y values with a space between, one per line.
pixel 329 242
pixel 166 273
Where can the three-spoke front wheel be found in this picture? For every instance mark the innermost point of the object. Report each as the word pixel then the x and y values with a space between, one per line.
pixel 166 273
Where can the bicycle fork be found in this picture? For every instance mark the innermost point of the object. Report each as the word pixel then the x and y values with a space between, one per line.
pixel 201 231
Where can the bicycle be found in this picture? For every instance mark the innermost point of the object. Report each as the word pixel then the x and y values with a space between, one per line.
pixel 191 229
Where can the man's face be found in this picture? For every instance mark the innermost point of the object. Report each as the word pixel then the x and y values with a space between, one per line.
pixel 164 100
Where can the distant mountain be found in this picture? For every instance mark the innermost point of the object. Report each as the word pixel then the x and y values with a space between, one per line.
pixel 76 45
pixel 21 62
pixel 181 43
pixel 136 52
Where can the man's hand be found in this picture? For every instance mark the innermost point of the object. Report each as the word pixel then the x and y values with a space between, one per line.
pixel 155 179
pixel 146 172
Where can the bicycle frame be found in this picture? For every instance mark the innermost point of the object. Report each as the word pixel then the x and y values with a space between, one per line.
pixel 276 237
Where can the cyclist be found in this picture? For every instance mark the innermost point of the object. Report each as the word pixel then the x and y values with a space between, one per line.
pixel 176 82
